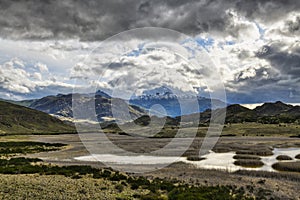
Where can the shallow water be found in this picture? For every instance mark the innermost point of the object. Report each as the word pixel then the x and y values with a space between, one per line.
pixel 135 160
pixel 225 161
pixel 222 161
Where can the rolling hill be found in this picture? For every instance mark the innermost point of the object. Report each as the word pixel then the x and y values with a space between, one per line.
pixel 271 109
pixel 16 119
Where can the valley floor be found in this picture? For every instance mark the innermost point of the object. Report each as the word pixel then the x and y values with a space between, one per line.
pixel 278 185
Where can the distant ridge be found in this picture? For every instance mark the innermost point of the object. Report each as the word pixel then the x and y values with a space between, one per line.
pixel 277 112
pixel 269 112
pixel 272 108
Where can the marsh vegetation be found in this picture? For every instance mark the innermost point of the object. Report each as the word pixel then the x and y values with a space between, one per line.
pixel 283 157
pixel 249 163
pixel 25 147
pixel 287 166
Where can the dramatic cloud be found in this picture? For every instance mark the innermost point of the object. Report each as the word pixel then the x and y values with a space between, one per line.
pixel 97 20
pixel 45 45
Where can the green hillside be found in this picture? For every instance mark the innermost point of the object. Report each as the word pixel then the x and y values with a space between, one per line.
pixel 16 119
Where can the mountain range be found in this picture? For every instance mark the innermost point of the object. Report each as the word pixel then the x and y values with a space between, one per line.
pixel 174 104
pixel 61 106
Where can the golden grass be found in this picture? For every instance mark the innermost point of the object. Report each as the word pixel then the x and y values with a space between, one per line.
pixel 61 187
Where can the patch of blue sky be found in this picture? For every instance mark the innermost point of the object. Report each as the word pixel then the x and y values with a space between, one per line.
pixel 205 42
pixel 261 31
pixel 226 43
pixel 185 43
pixel 193 44
pixel 229 43
pixel 136 52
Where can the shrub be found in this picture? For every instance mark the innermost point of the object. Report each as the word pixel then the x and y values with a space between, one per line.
pixel 119 187
pixel 27 147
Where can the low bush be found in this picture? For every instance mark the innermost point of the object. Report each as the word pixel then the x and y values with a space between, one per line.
pixel 119 187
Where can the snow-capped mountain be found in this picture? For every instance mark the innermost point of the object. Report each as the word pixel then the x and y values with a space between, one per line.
pixel 174 104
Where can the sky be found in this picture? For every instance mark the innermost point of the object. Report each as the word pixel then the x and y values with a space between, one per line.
pixel 51 47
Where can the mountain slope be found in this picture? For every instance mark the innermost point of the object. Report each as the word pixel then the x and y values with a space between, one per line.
pixel 236 114
pixel 25 103
pixel 15 119
pixel 276 108
pixel 295 111
pixel 61 105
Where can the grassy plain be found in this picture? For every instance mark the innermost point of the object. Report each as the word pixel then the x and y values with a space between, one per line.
pixel 56 177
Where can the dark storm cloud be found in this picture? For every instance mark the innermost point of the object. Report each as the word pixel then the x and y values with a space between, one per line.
pixel 286 61
pixel 87 20
pixel 97 20
pixel 294 26
pixel 267 11
pixel 93 20
pixel 279 80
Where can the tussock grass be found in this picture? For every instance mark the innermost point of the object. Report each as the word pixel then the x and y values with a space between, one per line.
pixel 284 157
pixel 195 158
pixel 258 152
pixel 246 156
pixel 287 166
pixel 275 175
pixel 248 163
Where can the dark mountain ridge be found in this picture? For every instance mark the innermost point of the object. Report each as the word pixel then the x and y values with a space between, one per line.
pixel 61 105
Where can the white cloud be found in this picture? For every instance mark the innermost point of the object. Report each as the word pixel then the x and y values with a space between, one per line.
pixel 37 76
pixel 42 67
pixel 16 81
